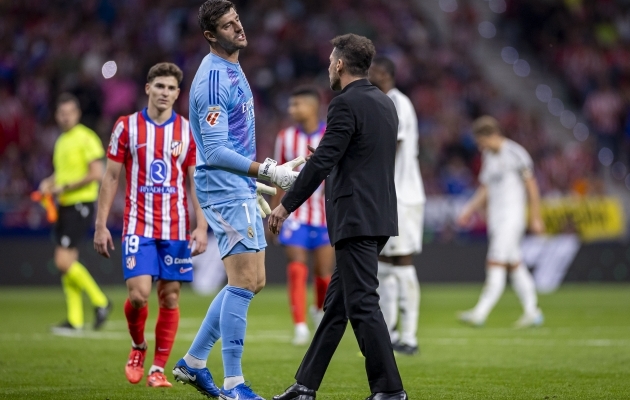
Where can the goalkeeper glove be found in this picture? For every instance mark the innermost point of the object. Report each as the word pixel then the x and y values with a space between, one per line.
pixel 262 205
pixel 282 175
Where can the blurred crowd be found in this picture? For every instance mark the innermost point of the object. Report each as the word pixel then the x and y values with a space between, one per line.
pixel 54 46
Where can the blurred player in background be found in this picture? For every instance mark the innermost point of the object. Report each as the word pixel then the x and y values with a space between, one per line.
pixel 78 168
pixel 223 121
pixel 507 183
pixel 305 231
pixel 398 281
pixel 157 150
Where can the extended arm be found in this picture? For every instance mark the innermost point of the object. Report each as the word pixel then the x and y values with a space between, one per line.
pixel 109 185
pixel 477 202
pixel 536 223
pixel 200 234
pixel 95 173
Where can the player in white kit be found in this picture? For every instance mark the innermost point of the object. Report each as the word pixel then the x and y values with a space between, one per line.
pixel 398 282
pixel 507 186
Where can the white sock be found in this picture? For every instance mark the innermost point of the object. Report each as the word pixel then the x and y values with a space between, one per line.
pixel 231 382
pixel 491 293
pixel 155 368
pixel 142 346
pixel 301 328
pixel 388 292
pixel 408 302
pixel 194 362
pixel 525 289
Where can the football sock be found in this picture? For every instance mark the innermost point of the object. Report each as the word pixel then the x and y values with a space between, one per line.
pixel 492 291
pixel 208 334
pixel 78 274
pixel 74 301
pixel 136 319
pixel 321 286
pixel 297 274
pixel 155 368
pixel 231 382
pixel 233 326
pixel 388 292
pixel 523 284
pixel 409 303
pixel 165 331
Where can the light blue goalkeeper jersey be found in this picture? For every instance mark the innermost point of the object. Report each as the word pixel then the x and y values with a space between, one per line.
pixel 222 123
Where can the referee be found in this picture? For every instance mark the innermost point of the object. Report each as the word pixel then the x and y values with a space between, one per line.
pixel 77 172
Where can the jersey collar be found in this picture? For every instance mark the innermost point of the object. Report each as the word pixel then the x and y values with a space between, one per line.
pixel 145 115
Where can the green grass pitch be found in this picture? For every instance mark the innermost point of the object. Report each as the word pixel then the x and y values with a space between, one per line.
pixel 582 352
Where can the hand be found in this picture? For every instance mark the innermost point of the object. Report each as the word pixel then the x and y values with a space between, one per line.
pixel 464 218
pixel 277 218
pixel 312 150
pixel 200 237
pixel 261 203
pixel 57 190
pixel 103 240
pixel 46 186
pixel 282 175
pixel 537 226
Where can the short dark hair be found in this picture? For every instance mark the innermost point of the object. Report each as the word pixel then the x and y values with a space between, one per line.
pixel 211 11
pixel 485 126
pixel 165 69
pixel 68 98
pixel 355 51
pixel 306 90
pixel 387 64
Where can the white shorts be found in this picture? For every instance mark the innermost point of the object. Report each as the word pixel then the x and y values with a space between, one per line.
pixel 410 228
pixel 505 245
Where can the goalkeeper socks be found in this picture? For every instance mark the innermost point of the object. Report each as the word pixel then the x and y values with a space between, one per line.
pixel 321 287
pixel 231 382
pixel 208 334
pixel 388 292
pixel 74 301
pixel 78 274
pixel 409 303
pixel 297 274
pixel 233 326
pixel 523 284
pixel 165 331
pixel 491 293
pixel 136 319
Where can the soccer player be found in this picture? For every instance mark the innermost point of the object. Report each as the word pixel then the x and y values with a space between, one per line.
pixel 398 281
pixel 78 167
pixel 222 121
pixel 157 150
pixel 305 231
pixel 507 182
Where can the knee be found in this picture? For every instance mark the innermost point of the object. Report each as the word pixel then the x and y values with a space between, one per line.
pixel 63 262
pixel 168 299
pixel 138 298
pixel 364 304
pixel 260 286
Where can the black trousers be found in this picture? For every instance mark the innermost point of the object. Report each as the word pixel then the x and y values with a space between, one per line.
pixel 352 295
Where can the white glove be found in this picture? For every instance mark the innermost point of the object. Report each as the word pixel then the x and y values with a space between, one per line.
pixel 282 175
pixel 262 205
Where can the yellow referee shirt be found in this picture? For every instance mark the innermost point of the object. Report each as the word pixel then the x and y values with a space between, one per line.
pixel 74 151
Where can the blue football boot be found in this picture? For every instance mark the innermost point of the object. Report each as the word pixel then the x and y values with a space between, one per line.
pixel 239 392
pixel 200 379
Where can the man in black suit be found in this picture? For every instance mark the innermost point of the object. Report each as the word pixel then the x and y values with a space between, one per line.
pixel 356 157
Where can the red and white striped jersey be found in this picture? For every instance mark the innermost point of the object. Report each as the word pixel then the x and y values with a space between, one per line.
pixel 291 143
pixel 156 159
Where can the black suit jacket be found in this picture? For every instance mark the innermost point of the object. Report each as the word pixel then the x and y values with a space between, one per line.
pixel 356 157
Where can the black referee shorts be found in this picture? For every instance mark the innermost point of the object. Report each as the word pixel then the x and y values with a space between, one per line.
pixel 73 224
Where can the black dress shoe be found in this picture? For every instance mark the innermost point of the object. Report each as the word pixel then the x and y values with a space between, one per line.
pixel 405 349
pixel 402 395
pixel 297 392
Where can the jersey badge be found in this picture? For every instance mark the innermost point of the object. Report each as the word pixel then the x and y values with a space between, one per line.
pixel 176 148
pixel 250 232
pixel 131 262
pixel 213 115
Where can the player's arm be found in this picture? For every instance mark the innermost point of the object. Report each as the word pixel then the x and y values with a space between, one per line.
pixel 476 203
pixel 536 223
pixel 200 234
pixel 47 185
pixel 95 173
pixel 109 185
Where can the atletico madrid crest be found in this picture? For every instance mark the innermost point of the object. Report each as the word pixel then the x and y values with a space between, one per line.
pixel 176 148
pixel 131 262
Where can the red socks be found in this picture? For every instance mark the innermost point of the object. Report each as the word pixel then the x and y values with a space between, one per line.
pixel 165 331
pixel 321 286
pixel 136 319
pixel 298 275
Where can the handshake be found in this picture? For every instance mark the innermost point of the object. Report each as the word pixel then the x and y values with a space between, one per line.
pixel 282 175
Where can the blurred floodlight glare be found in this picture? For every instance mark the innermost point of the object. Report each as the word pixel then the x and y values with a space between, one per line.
pixel 487 30
pixel 543 92
pixel 509 55
pixel 567 119
pixel 521 68
pixel 580 131
pixel 619 170
pixel 555 107
pixel 109 69
pixel 497 6
pixel 448 5
pixel 605 156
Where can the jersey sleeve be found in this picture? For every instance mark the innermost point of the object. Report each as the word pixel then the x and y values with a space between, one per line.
pixel 484 173
pixel 191 156
pixel 93 149
pixel 212 100
pixel 278 153
pixel 524 162
pixel 119 142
